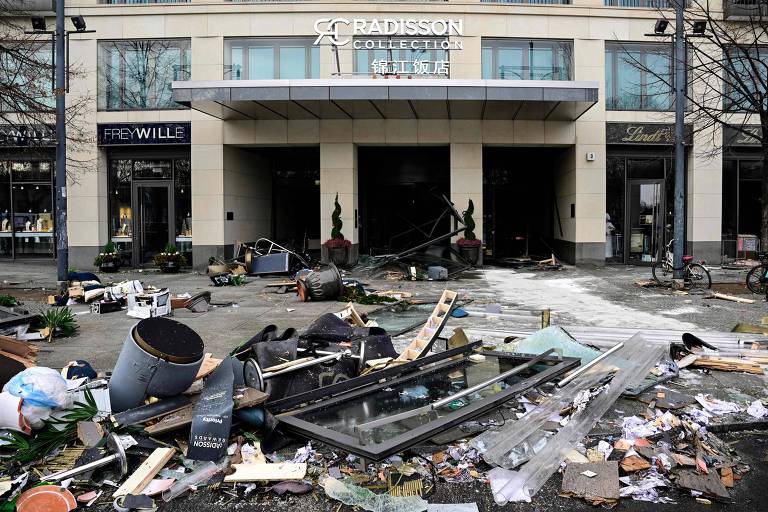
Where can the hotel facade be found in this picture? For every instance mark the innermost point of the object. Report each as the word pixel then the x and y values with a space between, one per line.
pixel 217 121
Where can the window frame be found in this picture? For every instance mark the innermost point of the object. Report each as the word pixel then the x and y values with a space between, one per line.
pixel 106 51
pixel 44 81
pixel 526 45
pixel 311 53
pixel 729 104
pixel 398 443
pixel 619 48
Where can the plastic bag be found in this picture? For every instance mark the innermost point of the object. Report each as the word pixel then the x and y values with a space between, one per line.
pixel 40 387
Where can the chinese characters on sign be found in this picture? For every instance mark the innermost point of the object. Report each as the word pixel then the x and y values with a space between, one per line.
pixel 430 38
pixel 414 67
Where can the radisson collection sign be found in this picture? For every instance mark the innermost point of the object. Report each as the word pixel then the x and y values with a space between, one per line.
pixel 419 36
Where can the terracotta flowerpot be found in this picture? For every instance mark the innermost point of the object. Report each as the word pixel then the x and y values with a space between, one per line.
pixel 471 254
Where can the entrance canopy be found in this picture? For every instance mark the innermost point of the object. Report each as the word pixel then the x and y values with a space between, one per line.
pixel 388 99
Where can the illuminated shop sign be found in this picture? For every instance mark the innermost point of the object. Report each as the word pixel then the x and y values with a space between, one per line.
pixel 144 133
pixel 417 36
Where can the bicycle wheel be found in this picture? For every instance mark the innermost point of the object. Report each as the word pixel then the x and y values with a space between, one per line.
pixel 697 276
pixel 756 279
pixel 662 273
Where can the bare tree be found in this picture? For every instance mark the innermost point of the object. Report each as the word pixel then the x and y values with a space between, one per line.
pixel 27 93
pixel 727 73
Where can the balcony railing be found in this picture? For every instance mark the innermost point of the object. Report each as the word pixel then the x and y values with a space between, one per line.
pixel 648 4
pixel 745 8
pixel 127 2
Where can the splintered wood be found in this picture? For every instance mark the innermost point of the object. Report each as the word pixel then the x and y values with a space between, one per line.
pixel 423 341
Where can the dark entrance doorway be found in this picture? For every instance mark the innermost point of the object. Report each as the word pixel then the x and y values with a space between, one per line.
pixel 518 199
pixel 154 210
pixel 294 173
pixel 400 196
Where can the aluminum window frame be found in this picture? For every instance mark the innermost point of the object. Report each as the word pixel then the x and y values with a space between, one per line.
pixel 380 451
pixel 526 45
pixel 311 52
pixel 619 49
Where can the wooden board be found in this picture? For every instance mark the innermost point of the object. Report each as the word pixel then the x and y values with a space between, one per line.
pixel 146 472
pixel 600 489
pixel 728 364
pixel 19 348
pixel 432 328
pixel 266 472
pixel 183 417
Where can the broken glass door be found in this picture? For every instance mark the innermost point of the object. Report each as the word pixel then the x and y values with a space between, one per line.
pixel 387 417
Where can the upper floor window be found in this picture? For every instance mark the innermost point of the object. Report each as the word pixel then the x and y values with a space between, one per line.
pixel 137 74
pixel 638 76
pixel 26 75
pixel 266 59
pixel 527 59
pixel 423 57
pixel 747 76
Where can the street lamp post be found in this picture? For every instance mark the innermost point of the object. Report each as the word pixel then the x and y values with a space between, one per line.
pixel 680 83
pixel 60 90
pixel 62 242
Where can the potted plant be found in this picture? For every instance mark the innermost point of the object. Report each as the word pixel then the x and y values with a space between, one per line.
pixel 469 246
pixel 338 246
pixel 108 259
pixel 170 260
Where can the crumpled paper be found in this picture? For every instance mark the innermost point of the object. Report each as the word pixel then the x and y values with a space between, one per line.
pixel 715 406
pixel 757 410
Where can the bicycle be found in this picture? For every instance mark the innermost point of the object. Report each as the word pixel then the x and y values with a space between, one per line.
pixel 757 277
pixel 695 275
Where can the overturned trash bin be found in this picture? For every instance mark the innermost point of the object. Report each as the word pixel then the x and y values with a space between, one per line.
pixel 319 285
pixel 160 358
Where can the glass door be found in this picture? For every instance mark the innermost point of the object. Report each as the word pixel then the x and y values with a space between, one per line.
pixel 154 207
pixel 645 220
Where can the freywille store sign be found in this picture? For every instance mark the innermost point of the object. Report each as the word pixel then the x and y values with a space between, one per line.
pixel 142 134
pixel 27 136
pixel 643 133
pixel 418 35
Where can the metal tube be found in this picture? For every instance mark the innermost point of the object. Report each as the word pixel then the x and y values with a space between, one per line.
pixel 581 369
pixel 290 369
pixel 63 475
pixel 679 222
pixel 327 353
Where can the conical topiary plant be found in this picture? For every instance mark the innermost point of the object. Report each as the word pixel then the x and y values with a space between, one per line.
pixel 336 233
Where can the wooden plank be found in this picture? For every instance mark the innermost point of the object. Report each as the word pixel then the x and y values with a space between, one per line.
pixel 183 417
pixel 19 348
pixel 144 474
pixel 728 364
pixel 732 298
pixel 266 472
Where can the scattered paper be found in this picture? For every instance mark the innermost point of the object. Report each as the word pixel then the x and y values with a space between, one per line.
pixel 715 406
pixel 589 474
pixel 757 410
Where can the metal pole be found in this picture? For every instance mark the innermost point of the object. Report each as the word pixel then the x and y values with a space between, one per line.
pixel 583 368
pixel 679 222
pixel 62 244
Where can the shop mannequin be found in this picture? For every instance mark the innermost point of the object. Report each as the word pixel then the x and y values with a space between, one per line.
pixel 609 229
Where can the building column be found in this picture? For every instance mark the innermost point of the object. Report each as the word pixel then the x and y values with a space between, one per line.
pixel 338 175
pixel 704 199
pixel 208 216
pixel 467 179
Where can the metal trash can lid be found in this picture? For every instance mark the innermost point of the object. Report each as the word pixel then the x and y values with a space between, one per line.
pixel 169 340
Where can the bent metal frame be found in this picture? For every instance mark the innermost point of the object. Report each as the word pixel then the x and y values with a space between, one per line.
pixel 292 423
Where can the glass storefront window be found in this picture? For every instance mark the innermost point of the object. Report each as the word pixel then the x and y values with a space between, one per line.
pixel 527 59
pixel 742 203
pixel 183 207
pixel 26 209
pixel 139 194
pixel 6 221
pixel 614 201
pixel 392 55
pixel 274 58
pixel 638 76
pixel 137 74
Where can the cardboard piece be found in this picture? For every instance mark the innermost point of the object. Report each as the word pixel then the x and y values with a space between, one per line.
pixel 601 489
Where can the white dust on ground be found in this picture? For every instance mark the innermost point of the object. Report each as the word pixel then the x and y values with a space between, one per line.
pixel 570 297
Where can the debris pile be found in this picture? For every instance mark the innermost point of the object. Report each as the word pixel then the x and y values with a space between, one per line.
pixel 337 410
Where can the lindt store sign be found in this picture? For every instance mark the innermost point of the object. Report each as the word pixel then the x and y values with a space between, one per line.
pixel 427 39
